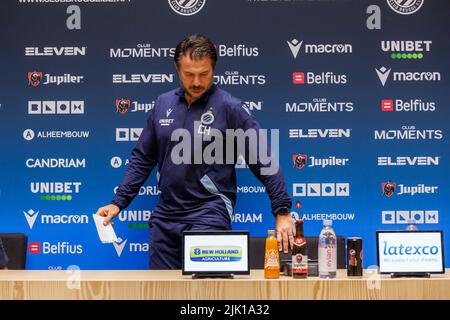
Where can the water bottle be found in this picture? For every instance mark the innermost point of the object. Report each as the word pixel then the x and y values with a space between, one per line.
pixel 327 251
pixel 411 225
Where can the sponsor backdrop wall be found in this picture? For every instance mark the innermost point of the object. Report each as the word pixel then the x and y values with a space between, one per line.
pixel 358 90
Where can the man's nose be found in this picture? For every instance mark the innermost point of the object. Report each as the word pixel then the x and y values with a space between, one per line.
pixel 197 81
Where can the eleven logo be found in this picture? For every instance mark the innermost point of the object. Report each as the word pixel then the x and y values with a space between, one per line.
pixel 31 216
pixel 402 216
pixel 383 74
pixel 119 245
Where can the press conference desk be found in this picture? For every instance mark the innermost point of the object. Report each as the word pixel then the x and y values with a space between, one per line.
pixel 168 285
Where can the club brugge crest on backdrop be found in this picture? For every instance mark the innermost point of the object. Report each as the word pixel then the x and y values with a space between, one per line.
pixel 405 6
pixel 186 7
pixel 207 118
pixel 122 105
pixel 299 160
pixel 388 188
pixel 34 78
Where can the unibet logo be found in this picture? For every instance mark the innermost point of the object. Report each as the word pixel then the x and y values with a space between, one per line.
pixel 321 189
pixel 55 190
pixel 59 248
pixel 402 216
pixel 406 49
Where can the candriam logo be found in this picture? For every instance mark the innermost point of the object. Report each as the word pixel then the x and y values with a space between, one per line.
pixel 187 7
pixel 143 78
pixel 55 51
pixel 55 163
pixel 145 191
pixel 31 217
pixel 402 216
pixel 233 78
pixel 319 133
pixel 413 76
pixel 412 105
pixel 56 107
pixel 408 161
pixel 409 133
pixel 320 105
pixel 247 218
pixel 58 248
pixel 318 48
pixel 142 51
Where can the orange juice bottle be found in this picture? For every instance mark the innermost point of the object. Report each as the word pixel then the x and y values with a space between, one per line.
pixel 271 258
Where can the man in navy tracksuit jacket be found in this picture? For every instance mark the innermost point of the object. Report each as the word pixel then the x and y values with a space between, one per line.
pixel 193 196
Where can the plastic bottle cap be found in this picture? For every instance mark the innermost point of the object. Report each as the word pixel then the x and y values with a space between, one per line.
pixel 327 223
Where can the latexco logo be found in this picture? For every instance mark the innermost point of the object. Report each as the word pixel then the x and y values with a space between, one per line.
pixel 29 134
pixel 31 217
pixel 55 163
pixel 55 249
pixel 408 161
pixel 143 78
pixel 320 133
pixel 55 51
pixel 233 78
pixel 128 134
pixel 300 77
pixel 402 216
pixel 321 189
pixel 125 105
pixel 320 105
pixel 405 6
pixel 56 107
pixel 141 51
pixel 408 133
pixel 35 79
pixel 336 48
pixel 428 76
pixel 187 7
pixel 406 49
pixel 300 161
pixel 59 191
pixel 236 50
pixel 399 105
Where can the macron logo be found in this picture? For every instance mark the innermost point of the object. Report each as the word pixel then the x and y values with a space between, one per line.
pixel 31 216
pixel 295 46
pixel 119 245
pixel 383 74
pixel 168 112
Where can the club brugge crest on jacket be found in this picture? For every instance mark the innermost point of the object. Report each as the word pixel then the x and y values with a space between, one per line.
pixel 299 160
pixel 388 188
pixel 122 105
pixel 34 78
pixel 186 7
pixel 207 118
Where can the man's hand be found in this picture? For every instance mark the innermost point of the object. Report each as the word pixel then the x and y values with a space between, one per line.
pixel 285 232
pixel 110 212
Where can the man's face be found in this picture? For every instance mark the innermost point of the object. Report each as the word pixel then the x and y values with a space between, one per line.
pixel 196 76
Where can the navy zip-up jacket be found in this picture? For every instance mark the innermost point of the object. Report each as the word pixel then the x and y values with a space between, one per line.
pixel 194 193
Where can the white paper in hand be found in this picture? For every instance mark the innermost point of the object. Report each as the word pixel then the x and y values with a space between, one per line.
pixel 106 233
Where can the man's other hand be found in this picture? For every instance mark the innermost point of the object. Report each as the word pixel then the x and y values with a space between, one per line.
pixel 285 232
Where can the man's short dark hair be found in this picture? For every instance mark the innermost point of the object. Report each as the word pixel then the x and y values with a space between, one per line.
pixel 196 46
